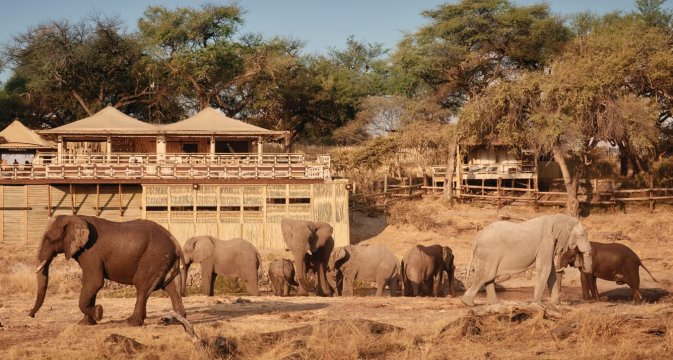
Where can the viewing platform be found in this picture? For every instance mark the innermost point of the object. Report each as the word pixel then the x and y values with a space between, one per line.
pixel 142 168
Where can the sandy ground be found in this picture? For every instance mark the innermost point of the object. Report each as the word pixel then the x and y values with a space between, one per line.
pixel 53 333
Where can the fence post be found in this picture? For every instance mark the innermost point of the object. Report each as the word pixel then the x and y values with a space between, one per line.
pixel 535 189
pixel 499 201
pixel 385 191
pixel 651 191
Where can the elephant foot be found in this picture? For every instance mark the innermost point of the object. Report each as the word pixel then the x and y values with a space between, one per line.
pixel 87 320
pixel 134 321
pixel 467 301
pixel 98 312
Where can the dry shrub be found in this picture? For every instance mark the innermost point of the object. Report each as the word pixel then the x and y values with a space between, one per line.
pixel 424 214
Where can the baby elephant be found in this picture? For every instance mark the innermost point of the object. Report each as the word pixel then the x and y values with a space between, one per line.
pixel 281 274
pixel 614 262
pixel 366 263
pixel 423 268
pixel 232 258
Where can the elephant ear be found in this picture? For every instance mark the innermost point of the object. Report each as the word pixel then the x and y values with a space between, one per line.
pixel 447 257
pixel 561 233
pixel 323 232
pixel 579 262
pixel 339 253
pixel 203 249
pixel 75 237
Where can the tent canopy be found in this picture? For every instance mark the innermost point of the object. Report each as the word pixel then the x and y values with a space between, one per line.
pixel 213 122
pixel 16 136
pixel 106 121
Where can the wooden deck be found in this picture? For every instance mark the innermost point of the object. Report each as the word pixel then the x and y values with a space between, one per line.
pixel 144 168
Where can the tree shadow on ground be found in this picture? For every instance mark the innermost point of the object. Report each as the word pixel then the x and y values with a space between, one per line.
pixel 366 225
pixel 624 294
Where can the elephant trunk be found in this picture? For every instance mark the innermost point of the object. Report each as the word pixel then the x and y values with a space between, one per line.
pixel 587 263
pixel 42 273
pixel 183 273
pixel 302 271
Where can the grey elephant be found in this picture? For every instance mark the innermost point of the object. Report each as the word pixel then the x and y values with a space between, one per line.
pixel 311 244
pixel 137 252
pixel 505 247
pixel 231 258
pixel 423 267
pixel 281 275
pixel 366 263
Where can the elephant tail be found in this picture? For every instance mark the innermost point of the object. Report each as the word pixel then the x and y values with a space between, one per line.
pixel 259 265
pixel 648 271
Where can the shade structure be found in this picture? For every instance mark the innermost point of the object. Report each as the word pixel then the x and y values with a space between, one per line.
pixel 108 120
pixel 210 121
pixel 17 136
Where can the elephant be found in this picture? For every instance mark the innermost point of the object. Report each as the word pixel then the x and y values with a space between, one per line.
pixel 423 268
pixel 311 244
pixel 367 263
pixel 231 258
pixel 613 262
pixel 505 247
pixel 137 252
pixel 281 275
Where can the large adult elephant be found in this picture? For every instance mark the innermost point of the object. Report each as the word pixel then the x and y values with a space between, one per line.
pixel 138 252
pixel 505 247
pixel 229 258
pixel 366 263
pixel 311 244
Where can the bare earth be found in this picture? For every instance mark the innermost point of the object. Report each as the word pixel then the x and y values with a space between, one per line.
pixel 430 328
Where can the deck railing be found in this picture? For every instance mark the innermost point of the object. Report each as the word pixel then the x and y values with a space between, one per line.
pixel 170 166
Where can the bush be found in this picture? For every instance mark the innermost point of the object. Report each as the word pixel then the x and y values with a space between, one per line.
pixel 423 215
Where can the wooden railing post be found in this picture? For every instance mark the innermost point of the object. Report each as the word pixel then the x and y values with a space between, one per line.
pixel 499 192
pixel 650 193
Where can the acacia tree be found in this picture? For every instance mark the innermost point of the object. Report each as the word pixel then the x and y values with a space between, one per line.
pixel 64 71
pixel 608 86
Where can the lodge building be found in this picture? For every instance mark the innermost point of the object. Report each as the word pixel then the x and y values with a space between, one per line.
pixel 207 174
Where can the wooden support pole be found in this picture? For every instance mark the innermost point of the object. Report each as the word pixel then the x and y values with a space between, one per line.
pixel 97 199
pixel 651 194
pixel 121 201
pixel 499 193
pixel 49 209
pixel 72 199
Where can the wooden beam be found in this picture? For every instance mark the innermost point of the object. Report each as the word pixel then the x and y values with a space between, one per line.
pixel 121 201
pixel 49 209
pixel 98 200
pixel 72 199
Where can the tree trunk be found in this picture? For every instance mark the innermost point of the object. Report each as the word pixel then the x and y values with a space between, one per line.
pixel 448 178
pixel 570 181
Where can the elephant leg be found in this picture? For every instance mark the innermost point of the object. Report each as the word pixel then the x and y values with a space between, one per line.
pixel 554 285
pixel 406 288
pixel 491 297
pixel 393 284
pixel 208 278
pixel 543 266
pixel 380 285
pixel 586 286
pixel 634 284
pixel 415 288
pixel 593 287
pixel 251 285
pixel 348 284
pixel 286 289
pixel 91 284
pixel 323 287
pixel 437 285
pixel 481 277
pixel 176 300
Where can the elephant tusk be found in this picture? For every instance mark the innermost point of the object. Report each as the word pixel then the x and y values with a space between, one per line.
pixel 309 252
pixel 41 266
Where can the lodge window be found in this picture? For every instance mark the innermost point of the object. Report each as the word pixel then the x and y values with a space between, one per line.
pixel 206 208
pixel 276 201
pixel 156 208
pixel 182 208
pixel 252 208
pixel 230 208
pixel 300 201
pixel 190 148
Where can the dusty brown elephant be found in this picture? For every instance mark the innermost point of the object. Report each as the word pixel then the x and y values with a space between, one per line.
pixel 231 258
pixel 281 275
pixel 311 244
pixel 366 263
pixel 422 270
pixel 138 252
pixel 613 262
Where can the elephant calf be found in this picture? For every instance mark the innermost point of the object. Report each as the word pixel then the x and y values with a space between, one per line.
pixel 367 263
pixel 231 258
pixel 613 262
pixel 423 267
pixel 281 274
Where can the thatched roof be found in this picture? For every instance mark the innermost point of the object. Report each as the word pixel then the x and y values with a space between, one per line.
pixel 210 121
pixel 16 136
pixel 106 121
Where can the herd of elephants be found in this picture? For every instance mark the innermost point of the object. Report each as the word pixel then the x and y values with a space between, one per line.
pixel 144 254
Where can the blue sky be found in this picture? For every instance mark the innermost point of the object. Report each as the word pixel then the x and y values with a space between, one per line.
pixel 321 24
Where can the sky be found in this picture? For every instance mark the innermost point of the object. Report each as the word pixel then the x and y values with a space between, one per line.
pixel 320 24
